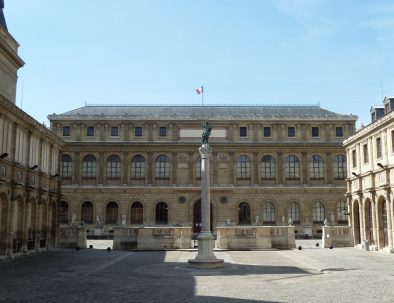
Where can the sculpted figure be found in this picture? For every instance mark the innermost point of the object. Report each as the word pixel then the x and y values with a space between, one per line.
pixel 206 132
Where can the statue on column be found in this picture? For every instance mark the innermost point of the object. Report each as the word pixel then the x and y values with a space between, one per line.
pixel 206 132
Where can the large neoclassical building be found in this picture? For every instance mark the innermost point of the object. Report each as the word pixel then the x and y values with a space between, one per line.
pixel 29 165
pixel 370 153
pixel 140 165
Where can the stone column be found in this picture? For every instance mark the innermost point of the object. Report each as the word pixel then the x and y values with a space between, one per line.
pixel 389 222
pixel 374 221
pixel 206 242
pixel 279 180
pixel 126 168
pixel 328 167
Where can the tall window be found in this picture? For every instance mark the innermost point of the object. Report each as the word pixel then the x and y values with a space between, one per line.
pixel 137 213
pixel 365 153
pixel 90 131
pixel 111 213
pixel 161 213
pixel 267 167
pixel 267 131
pixel 89 166
pixel 243 131
pixel 138 131
pixel 339 131
pixel 66 131
pixel 244 213
pixel 315 131
pixel 340 167
pixel 243 167
pixel 138 167
pixel 316 167
pixel 354 158
pixel 87 212
pixel 113 167
pixel 378 148
pixel 342 213
pixel 198 168
pixel 293 212
pixel 114 131
pixel 292 167
pixel 392 141
pixel 318 213
pixel 291 131
pixel 162 131
pixel 66 166
pixel 162 167
pixel 269 213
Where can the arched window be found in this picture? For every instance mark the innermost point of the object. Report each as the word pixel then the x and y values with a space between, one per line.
pixel 292 167
pixel 318 213
pixel 244 213
pixel 138 167
pixel 243 167
pixel 342 213
pixel 113 167
pixel 89 166
pixel 267 167
pixel 198 168
pixel 316 167
pixel 161 213
pixel 162 167
pixel 269 213
pixel 111 213
pixel 63 213
pixel 137 213
pixel 293 212
pixel 87 212
pixel 66 168
pixel 340 167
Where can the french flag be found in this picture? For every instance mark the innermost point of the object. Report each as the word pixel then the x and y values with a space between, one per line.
pixel 199 90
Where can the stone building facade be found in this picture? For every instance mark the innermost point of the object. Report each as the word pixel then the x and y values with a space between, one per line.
pixel 370 154
pixel 29 165
pixel 140 166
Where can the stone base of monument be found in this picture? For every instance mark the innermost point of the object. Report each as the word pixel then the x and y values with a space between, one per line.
pixel 205 258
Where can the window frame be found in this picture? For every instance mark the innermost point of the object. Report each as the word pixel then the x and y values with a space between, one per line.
pixel 268 168
pixel 243 131
pixel 315 129
pixel 114 131
pixel 268 129
pixel 339 129
pixel 291 132
pixel 114 167
pixel 243 167
pixel 90 131
pixel 138 131
pixel 162 167
pixel 316 167
pixel 66 131
pixel 162 131
pixel 292 169
pixel 138 168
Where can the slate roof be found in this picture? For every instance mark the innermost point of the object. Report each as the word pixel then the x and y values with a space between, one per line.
pixel 211 112
pixel 2 19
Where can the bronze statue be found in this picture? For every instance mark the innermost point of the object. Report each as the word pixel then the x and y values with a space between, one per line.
pixel 206 132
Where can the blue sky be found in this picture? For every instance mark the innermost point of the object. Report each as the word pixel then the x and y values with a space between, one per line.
pixel 338 53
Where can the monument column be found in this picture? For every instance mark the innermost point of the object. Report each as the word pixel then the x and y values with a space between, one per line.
pixel 206 242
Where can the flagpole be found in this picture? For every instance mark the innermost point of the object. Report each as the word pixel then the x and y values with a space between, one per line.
pixel 202 95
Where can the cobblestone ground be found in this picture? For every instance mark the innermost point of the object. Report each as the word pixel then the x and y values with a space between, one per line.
pixel 94 275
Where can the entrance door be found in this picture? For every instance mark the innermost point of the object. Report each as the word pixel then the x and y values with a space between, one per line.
pixel 197 217
pixel 385 232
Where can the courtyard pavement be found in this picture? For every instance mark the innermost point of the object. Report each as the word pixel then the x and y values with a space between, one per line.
pixel 312 274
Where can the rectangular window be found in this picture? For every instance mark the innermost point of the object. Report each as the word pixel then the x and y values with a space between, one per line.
pixel 138 131
pixel 66 131
pixel 90 131
pixel 339 131
pixel 267 131
pixel 162 131
pixel 378 148
pixel 114 131
pixel 315 131
pixel 291 131
pixel 392 141
pixel 243 132
pixel 365 153
pixel 354 159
